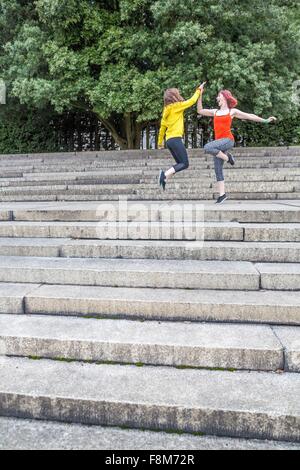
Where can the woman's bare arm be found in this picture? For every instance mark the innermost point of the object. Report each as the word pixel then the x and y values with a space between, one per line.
pixel 200 110
pixel 250 117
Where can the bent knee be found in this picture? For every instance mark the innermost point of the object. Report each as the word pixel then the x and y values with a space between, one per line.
pixel 210 149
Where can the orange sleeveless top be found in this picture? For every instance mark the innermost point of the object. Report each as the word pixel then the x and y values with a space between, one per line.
pixel 222 126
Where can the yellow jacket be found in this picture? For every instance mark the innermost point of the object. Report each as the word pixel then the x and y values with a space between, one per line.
pixel 172 124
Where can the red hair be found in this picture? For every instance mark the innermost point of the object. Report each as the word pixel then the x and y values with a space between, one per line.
pixel 231 100
pixel 172 95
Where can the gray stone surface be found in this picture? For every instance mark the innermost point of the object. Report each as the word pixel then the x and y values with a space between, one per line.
pixel 290 340
pixel 19 434
pixel 12 296
pixel 272 232
pixel 240 404
pixel 149 249
pixel 30 247
pixel 123 230
pixel 162 304
pixel 5 215
pixel 279 276
pixel 258 211
pixel 186 274
pixel 175 344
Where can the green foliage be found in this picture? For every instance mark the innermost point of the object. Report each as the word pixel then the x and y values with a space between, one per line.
pixel 23 130
pixel 285 132
pixel 116 58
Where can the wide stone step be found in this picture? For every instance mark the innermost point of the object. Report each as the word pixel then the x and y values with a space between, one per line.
pixel 144 175
pixel 149 249
pixel 132 230
pixel 146 196
pixel 72 181
pixel 214 231
pixel 241 404
pixel 164 159
pixel 263 307
pixel 172 186
pixel 144 211
pixel 210 251
pixel 174 344
pixel 80 172
pixel 23 434
pixel 185 274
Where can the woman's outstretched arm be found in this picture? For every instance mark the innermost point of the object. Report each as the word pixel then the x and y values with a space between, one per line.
pixel 189 103
pixel 251 117
pixel 200 110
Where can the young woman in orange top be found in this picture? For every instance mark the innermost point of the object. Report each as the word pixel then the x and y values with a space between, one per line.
pixel 224 142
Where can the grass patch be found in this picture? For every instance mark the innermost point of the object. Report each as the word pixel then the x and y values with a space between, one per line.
pixel 136 364
pixel 86 361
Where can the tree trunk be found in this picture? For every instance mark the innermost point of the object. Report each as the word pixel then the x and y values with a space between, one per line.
pixel 125 131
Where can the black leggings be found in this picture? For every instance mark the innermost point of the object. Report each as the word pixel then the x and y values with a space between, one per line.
pixel 178 150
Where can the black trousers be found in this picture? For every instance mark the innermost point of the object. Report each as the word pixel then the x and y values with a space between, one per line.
pixel 178 150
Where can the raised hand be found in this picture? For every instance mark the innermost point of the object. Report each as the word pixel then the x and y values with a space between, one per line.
pixel 201 87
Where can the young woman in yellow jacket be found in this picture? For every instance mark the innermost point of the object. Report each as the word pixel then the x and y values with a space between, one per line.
pixel 172 127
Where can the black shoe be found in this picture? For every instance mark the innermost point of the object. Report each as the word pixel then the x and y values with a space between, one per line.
pixel 231 159
pixel 162 179
pixel 221 199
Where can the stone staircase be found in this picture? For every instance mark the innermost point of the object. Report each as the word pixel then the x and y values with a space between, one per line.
pixel 126 307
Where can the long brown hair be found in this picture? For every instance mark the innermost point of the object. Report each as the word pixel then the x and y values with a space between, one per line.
pixel 172 95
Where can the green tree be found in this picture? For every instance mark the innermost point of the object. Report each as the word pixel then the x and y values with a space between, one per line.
pixel 115 58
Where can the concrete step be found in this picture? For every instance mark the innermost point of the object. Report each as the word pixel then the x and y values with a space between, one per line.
pixel 272 232
pixel 150 249
pixel 279 276
pixel 21 434
pixel 185 274
pixel 71 164
pixel 12 297
pixel 134 230
pixel 143 211
pixel 264 252
pixel 263 307
pixel 147 196
pixel 241 404
pixel 210 231
pixel 82 172
pixel 72 181
pixel 139 181
pixel 289 338
pixel 224 346
pixel 49 247
pixel 172 186
pixel 153 153
pixel 146 175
